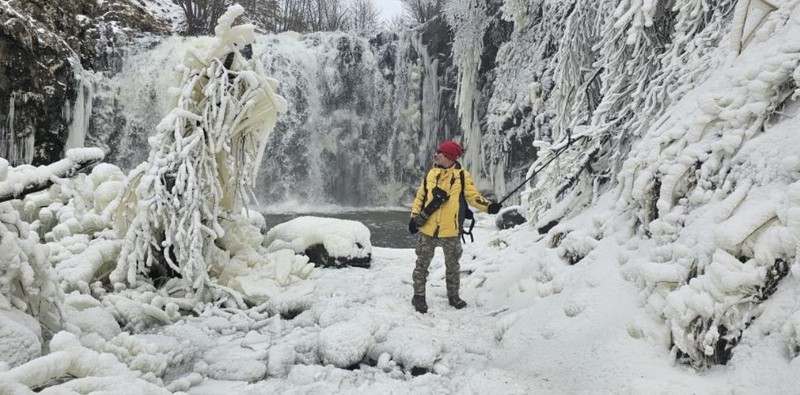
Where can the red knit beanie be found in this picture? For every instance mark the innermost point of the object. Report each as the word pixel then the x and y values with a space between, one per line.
pixel 450 149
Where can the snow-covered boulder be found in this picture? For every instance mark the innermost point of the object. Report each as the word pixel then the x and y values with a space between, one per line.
pixel 413 348
pixel 326 242
pixel 233 363
pixel 19 337
pixel 575 246
pixel 344 344
pixel 510 218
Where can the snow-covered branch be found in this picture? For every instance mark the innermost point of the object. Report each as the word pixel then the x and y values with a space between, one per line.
pixel 28 179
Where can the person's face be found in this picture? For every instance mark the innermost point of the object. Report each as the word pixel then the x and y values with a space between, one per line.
pixel 442 160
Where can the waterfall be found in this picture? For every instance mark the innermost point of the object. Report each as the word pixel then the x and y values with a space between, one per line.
pixel 330 146
pixel 363 122
pixel 79 114
pixel 129 104
pixel 430 93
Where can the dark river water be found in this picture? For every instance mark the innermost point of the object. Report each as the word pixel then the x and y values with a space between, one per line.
pixel 388 227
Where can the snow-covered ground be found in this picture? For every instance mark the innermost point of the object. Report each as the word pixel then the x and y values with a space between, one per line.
pixel 534 324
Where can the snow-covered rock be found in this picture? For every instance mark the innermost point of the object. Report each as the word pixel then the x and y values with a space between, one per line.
pixel 327 242
pixel 510 217
pixel 20 337
pixel 344 344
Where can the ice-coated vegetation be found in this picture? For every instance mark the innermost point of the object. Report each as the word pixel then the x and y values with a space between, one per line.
pixel 683 124
pixel 105 252
pixel 204 158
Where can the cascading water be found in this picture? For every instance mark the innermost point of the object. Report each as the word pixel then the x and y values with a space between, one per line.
pixel 78 114
pixel 329 146
pixel 128 106
pixel 364 115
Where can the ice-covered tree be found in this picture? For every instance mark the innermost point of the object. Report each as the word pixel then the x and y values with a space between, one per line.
pixel 422 11
pixel 620 65
pixel 30 303
pixel 201 14
pixel 203 159
pixel 712 169
pixel 688 168
pixel 364 16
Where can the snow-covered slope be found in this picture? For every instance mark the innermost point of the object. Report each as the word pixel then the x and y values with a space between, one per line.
pixel 709 188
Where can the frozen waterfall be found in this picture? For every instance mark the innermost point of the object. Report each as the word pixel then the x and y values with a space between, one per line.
pixel 364 114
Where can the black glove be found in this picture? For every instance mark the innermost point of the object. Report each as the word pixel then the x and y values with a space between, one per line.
pixel 494 208
pixel 412 226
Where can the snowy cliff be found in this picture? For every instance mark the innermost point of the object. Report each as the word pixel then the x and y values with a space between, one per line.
pixel 49 52
pixel 689 129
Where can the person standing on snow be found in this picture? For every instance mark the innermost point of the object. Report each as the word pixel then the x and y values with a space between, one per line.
pixel 437 214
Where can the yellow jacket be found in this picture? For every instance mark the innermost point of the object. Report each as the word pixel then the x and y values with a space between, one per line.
pixel 444 222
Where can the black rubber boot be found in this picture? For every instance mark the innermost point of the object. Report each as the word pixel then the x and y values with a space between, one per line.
pixel 419 303
pixel 456 302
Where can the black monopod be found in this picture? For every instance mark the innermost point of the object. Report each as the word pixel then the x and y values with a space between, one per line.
pixel 570 140
pixel 561 151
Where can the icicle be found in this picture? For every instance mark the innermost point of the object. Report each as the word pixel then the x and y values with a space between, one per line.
pixel 430 121
pixel 7 133
pixel 470 22
pixel 79 114
pixel 17 145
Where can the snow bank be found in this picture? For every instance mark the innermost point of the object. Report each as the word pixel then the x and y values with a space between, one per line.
pixel 341 238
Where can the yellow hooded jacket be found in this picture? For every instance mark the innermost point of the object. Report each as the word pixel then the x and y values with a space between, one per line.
pixel 444 222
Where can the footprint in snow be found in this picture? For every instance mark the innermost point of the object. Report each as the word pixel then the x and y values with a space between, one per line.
pixel 573 308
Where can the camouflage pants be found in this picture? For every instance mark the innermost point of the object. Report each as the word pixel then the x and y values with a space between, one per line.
pixel 452 253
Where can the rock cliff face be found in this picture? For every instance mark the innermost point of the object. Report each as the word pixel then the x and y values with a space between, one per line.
pixel 44 44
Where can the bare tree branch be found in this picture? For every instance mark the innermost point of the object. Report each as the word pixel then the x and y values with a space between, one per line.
pixel 364 16
pixel 202 15
pixel 422 11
